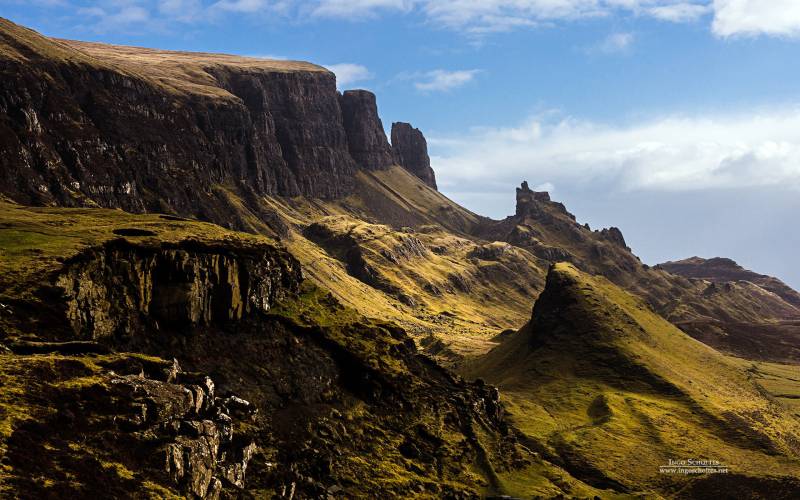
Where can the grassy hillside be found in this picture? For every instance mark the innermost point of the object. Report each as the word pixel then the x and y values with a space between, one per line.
pixel 600 381
pixel 415 261
pixel 741 318
pixel 309 396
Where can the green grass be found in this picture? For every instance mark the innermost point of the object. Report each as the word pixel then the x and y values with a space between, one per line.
pixel 501 291
pixel 664 394
pixel 781 381
pixel 36 241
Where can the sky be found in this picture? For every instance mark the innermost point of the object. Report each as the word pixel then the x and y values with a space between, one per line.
pixel 677 121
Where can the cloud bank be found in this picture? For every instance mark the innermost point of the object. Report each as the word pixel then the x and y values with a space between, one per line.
pixel 674 153
pixel 756 17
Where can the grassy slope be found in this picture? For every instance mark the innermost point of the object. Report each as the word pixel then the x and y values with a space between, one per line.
pixel 602 381
pixel 35 241
pixel 459 300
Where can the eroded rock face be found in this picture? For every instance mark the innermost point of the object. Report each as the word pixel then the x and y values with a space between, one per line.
pixel 79 131
pixel 198 427
pixel 127 426
pixel 113 290
pixel 73 133
pixel 411 150
pixel 365 136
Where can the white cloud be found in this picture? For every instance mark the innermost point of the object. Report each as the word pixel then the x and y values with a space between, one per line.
pixel 756 17
pixel 241 6
pixel 348 73
pixel 359 8
pixel 479 17
pixel 669 154
pixel 441 80
pixel 730 17
pixel 124 15
pixel 614 43
pixel 680 12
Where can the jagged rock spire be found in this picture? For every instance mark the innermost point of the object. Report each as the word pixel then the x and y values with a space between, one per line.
pixel 411 152
pixel 366 138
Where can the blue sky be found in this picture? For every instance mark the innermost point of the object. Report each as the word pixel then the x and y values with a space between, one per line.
pixel 676 120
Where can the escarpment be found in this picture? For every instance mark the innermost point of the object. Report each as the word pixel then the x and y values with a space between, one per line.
pixel 87 131
pixel 114 290
pixel 85 124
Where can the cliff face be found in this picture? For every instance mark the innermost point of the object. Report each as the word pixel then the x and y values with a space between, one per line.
pixel 145 130
pixel 112 291
pixel 365 136
pixel 411 149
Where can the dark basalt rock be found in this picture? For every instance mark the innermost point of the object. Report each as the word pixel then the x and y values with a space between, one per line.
pixel 366 139
pixel 411 150
pixel 614 235
pixel 113 290
pixel 165 429
pixel 80 131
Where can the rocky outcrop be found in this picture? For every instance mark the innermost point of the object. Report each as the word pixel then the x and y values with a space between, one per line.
pixel 411 150
pixel 122 424
pixel 202 449
pixel 536 204
pixel 114 290
pixel 614 235
pixel 366 138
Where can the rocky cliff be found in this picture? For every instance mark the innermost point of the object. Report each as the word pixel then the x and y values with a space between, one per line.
pixel 365 136
pixel 110 292
pixel 85 124
pixel 411 149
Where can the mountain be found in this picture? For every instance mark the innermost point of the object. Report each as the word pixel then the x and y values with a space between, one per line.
pixel 87 124
pixel 219 278
pixel 272 148
pixel 776 340
pixel 602 385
